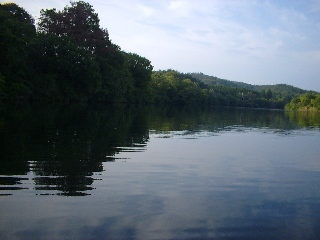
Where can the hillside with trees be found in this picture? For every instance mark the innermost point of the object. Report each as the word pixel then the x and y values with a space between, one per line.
pixel 212 80
pixel 305 102
pixel 178 88
pixel 69 57
pixel 277 91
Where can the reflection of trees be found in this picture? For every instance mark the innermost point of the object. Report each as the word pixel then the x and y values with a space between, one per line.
pixel 64 146
pixel 304 118
pixel 195 118
pixel 13 141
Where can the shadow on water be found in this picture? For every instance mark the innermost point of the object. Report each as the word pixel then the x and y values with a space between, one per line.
pixel 63 146
pixel 60 148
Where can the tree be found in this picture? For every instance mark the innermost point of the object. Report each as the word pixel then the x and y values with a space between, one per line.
pixel 176 88
pixel 70 58
pixel 307 101
pixel 141 70
pixel 316 102
pixel 67 70
pixel 16 31
pixel 269 94
pixel 78 21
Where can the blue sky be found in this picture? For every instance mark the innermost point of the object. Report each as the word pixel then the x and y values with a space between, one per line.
pixel 252 41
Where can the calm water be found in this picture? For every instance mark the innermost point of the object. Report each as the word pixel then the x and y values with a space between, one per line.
pixel 118 172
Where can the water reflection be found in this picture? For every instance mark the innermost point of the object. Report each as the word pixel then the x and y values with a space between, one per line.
pixel 64 146
pixel 304 118
pixel 60 149
pixel 157 173
pixel 198 122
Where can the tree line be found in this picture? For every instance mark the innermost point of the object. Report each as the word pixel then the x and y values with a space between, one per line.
pixel 305 102
pixel 70 57
pixel 173 87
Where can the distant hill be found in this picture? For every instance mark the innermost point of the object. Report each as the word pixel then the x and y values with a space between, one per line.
pixel 277 90
pixel 281 89
pixel 211 80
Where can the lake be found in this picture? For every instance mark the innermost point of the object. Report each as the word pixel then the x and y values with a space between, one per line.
pixel 141 172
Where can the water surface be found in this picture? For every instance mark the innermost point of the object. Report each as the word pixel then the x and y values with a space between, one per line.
pixel 119 172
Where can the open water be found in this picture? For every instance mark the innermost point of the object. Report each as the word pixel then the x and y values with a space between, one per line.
pixel 119 172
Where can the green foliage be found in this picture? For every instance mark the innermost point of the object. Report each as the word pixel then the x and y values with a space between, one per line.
pixel 70 58
pixel 178 88
pixel 16 31
pixel 62 69
pixel 279 92
pixel 78 21
pixel 305 102
pixel 211 80
pixel 141 70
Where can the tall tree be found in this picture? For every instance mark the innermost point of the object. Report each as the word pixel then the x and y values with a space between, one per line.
pixel 81 23
pixel 140 67
pixel 16 31
pixel 63 70
pixel 78 21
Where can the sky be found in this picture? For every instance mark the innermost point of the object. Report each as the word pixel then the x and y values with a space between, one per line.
pixel 253 41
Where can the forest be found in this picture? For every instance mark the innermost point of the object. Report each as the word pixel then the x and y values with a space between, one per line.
pixel 305 102
pixel 173 87
pixel 69 57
